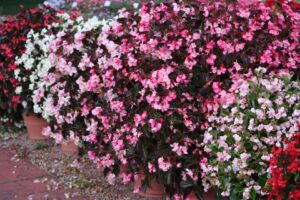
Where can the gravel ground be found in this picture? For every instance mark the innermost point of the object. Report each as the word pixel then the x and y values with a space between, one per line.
pixel 70 172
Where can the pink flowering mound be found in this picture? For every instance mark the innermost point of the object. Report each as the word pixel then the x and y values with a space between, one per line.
pixel 285 170
pixel 153 96
pixel 160 65
pixel 248 34
pixel 70 85
pixel 13 33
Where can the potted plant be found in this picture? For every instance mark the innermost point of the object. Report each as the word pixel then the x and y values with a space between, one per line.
pixel 13 44
pixel 257 113
pixel 58 96
pixel 150 87
pixel 34 68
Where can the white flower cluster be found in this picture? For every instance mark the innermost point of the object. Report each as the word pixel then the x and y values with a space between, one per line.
pixel 36 60
pixel 54 3
pixel 241 135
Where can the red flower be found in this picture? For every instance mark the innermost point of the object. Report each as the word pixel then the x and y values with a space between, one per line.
pixel 295 5
pixel 285 166
pixel 14 31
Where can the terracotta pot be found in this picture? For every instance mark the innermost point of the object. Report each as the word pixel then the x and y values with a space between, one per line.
pixel 69 147
pixel 155 190
pixel 210 195
pixel 35 126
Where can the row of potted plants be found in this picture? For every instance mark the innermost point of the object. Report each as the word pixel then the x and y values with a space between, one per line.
pixel 187 99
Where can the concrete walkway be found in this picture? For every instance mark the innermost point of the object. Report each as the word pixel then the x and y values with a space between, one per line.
pixel 20 180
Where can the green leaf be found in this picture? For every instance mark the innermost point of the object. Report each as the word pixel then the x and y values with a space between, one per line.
pixel 286 80
pixel 186 184
pixel 252 194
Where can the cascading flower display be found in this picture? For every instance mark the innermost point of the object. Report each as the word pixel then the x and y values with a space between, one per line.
pixel 71 54
pixel 167 90
pixel 257 113
pixel 12 43
pixel 151 114
pixel 34 64
pixel 159 67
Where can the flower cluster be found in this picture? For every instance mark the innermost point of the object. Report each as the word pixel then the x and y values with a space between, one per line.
pixel 12 43
pixel 34 64
pixel 168 91
pixel 157 68
pixel 285 170
pixel 234 29
pixel 62 93
pixel 151 112
pixel 254 115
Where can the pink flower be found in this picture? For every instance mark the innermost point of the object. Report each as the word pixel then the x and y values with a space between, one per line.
pixel 273 29
pixel 155 125
pixel 164 54
pixel 247 2
pixel 244 13
pixel 57 137
pixel 223 156
pixel 140 119
pixel 180 150
pixel 92 155
pixel 85 110
pixel 118 145
pixel 117 106
pixel 97 111
pixel 92 138
pixel 131 60
pixel 79 37
pixel 181 78
pixel 211 59
pixel 126 178
pixel 93 82
pixel 164 166
pixel 151 168
pixel 47 131
pixel 248 36
pixel 217 87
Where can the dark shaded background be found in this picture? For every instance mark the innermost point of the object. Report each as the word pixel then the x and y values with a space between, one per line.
pixel 8 7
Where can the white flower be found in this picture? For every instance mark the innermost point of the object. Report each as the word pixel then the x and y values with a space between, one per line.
pixel 18 90
pixel 107 3
pixel 237 138
pixel 135 5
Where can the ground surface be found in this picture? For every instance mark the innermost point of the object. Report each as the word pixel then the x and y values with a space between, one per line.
pixel 39 170
pixel 21 180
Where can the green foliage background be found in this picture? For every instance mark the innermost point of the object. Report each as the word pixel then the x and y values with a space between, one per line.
pixel 10 7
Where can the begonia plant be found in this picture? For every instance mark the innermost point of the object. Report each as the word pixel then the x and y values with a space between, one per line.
pixel 257 113
pixel 12 43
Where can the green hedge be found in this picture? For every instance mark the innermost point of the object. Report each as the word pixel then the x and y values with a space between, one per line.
pixel 10 7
